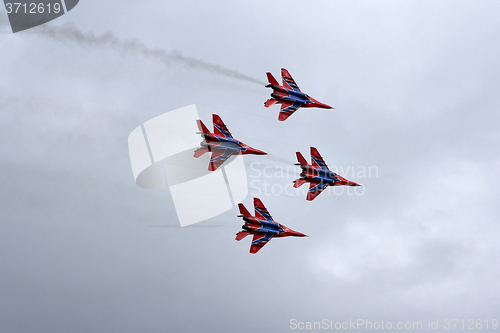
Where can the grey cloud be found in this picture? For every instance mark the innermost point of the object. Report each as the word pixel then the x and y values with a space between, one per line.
pixel 420 244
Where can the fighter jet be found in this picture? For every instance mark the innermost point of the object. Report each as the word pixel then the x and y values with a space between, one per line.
pixel 221 143
pixel 262 226
pixel 290 96
pixel 318 175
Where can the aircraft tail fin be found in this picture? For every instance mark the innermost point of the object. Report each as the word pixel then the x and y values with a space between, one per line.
pixel 202 127
pixel 242 234
pixel 271 79
pixel 301 159
pixel 243 210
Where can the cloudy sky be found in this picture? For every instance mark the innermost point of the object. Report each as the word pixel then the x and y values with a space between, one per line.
pixel 415 90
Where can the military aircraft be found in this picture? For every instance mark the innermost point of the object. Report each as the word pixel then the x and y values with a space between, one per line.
pixel 262 226
pixel 318 175
pixel 221 143
pixel 289 95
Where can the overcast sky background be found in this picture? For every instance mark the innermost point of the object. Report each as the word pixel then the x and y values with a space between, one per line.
pixel 415 90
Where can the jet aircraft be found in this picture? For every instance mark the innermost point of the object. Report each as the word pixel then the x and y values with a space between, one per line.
pixel 261 226
pixel 221 143
pixel 289 95
pixel 318 175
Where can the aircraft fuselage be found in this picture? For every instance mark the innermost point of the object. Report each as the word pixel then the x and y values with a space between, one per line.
pixel 311 174
pixel 271 226
pixel 222 142
pixel 254 225
pixel 284 95
pixel 320 178
pixel 291 92
pixel 325 176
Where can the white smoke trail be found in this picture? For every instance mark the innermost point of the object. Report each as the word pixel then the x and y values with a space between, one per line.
pixel 69 33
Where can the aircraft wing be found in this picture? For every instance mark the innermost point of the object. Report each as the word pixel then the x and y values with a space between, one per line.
pixel 315 189
pixel 288 80
pixel 218 157
pixel 220 128
pixel 261 211
pixel 259 240
pixel 318 161
pixel 287 109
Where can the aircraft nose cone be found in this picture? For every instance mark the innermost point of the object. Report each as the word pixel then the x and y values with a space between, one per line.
pixel 318 104
pixel 251 150
pixel 326 106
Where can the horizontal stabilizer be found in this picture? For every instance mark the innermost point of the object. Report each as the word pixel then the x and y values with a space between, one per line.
pixel 242 234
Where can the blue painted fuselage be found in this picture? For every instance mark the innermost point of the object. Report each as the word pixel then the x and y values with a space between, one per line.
pixel 321 175
pixel 228 143
pixel 266 226
pixel 296 97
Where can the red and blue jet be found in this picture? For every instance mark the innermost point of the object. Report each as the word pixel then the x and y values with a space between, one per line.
pixel 290 96
pixel 318 175
pixel 262 226
pixel 221 143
